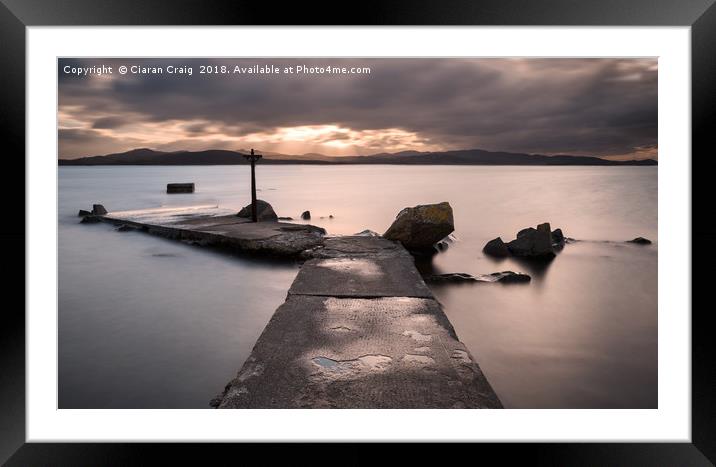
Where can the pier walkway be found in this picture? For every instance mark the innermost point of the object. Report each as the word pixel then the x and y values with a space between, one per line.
pixel 359 327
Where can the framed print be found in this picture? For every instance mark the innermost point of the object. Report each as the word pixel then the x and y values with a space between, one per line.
pixel 469 223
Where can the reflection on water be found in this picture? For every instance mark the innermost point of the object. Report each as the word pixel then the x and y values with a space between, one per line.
pixel 146 322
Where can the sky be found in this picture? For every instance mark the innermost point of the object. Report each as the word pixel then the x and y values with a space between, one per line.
pixel 605 107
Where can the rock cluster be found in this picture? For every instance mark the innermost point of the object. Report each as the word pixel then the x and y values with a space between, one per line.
pixel 420 227
pixel 539 243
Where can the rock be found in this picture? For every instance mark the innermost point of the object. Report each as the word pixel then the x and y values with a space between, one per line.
pixel 445 243
pixel 303 228
pixel 533 243
pixel 265 211
pixel 509 277
pixel 557 237
pixel 84 213
pixel 180 188
pixel 367 233
pixel 285 218
pixel 526 232
pixel 306 215
pixel 125 228
pixel 91 219
pixel 216 401
pixel 420 227
pixel 640 241
pixel 543 240
pixel 505 277
pixel 453 277
pixel 330 216
pixel 98 210
pixel 496 247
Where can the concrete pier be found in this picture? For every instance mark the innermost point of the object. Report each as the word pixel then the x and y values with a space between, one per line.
pixel 211 226
pixel 359 327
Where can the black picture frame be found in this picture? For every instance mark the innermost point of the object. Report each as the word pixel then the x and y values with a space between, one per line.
pixel 16 15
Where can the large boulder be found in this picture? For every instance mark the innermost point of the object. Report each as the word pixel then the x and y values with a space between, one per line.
pixel 496 247
pixel 306 215
pixel 420 227
pixel 533 243
pixel 264 210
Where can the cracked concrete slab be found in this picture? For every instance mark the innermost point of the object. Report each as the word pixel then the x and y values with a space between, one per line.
pixel 330 352
pixel 360 277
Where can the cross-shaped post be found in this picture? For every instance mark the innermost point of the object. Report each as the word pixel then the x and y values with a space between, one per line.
pixel 253 158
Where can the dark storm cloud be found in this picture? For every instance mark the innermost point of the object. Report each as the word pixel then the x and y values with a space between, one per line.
pixel 109 122
pixel 578 106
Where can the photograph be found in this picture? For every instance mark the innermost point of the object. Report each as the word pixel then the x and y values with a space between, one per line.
pixel 357 232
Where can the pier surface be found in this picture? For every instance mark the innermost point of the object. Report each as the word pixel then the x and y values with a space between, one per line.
pixel 212 226
pixel 359 327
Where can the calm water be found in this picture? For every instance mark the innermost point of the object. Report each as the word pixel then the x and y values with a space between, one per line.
pixel 146 322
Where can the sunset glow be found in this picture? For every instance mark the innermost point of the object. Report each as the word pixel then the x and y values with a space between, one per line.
pixel 594 107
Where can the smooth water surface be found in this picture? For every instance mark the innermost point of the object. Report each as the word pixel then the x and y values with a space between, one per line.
pixel 148 322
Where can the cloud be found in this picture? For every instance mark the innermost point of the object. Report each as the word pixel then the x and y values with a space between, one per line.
pixel 109 122
pixel 601 107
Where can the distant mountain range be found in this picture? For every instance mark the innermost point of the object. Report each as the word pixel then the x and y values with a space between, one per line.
pixel 146 156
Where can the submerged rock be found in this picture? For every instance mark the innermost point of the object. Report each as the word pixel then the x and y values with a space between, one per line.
pixel 180 188
pixel 420 227
pixel 126 228
pixel 306 215
pixel 640 241
pixel 496 247
pixel 367 233
pixel 453 277
pixel 285 218
pixel 533 243
pixel 91 219
pixel 98 210
pixel 265 211
pixel 445 243
pixel 506 277
pixel 442 245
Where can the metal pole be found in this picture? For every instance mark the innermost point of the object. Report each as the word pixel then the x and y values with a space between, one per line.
pixel 254 210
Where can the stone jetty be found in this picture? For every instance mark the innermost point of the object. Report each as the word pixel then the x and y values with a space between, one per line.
pixel 359 327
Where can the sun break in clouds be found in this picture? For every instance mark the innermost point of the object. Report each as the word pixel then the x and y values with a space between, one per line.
pixel 601 107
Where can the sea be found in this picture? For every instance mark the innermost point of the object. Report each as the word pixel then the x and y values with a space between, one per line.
pixel 147 322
